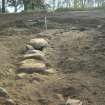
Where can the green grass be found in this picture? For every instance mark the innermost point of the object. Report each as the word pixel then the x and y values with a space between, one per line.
pixel 78 9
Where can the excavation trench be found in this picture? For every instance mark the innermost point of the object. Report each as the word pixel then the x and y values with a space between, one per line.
pixel 78 56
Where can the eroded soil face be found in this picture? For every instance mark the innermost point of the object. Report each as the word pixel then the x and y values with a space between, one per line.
pixel 75 50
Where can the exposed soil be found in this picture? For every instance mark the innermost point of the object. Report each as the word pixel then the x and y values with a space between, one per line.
pixel 76 50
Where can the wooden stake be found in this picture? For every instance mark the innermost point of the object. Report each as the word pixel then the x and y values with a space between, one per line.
pixel 45 23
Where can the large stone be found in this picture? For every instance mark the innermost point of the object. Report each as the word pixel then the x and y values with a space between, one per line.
pixel 32 65
pixel 34 54
pixel 73 102
pixel 3 92
pixel 39 43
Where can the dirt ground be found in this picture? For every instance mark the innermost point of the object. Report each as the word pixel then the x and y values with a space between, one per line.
pixel 76 50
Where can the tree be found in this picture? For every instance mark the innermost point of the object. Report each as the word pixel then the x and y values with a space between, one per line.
pixel 15 4
pixel 28 4
pixel 32 4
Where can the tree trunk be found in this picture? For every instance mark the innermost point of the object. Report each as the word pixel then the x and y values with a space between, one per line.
pixel 25 5
pixel 3 6
pixel 15 5
pixel 53 4
pixel 32 6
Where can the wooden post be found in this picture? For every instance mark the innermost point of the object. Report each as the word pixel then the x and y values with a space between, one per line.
pixel 45 23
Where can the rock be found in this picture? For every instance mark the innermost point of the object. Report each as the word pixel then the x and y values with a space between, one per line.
pixel 36 55
pixel 32 65
pixel 44 101
pixel 38 43
pixel 1 83
pixel 9 102
pixel 21 75
pixel 60 97
pixel 73 102
pixel 34 51
pixel 74 28
pixel 50 71
pixel 99 26
pixel 29 47
pixel 3 92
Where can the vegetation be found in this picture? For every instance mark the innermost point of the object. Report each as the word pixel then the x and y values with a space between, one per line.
pixel 70 9
pixel 27 4
pixel 58 5
pixel 80 3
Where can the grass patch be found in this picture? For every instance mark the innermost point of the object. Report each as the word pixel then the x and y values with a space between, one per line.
pixel 78 9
